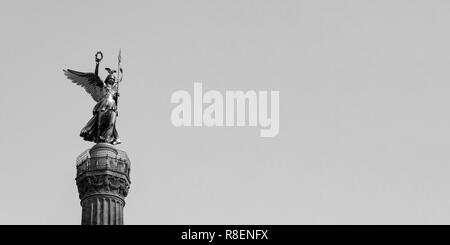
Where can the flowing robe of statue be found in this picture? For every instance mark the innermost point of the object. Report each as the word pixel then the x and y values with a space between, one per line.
pixel 102 126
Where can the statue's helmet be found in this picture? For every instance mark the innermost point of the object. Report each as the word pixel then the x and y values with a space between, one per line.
pixel 110 79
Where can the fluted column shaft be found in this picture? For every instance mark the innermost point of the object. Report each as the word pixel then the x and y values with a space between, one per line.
pixel 102 210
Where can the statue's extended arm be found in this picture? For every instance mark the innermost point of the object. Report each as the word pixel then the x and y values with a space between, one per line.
pixel 98 58
pixel 96 68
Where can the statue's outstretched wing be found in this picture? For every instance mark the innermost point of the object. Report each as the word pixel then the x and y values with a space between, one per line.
pixel 89 81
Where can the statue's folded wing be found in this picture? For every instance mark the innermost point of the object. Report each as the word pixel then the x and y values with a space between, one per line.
pixel 89 81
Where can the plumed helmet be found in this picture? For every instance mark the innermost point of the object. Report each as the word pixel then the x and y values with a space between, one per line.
pixel 111 76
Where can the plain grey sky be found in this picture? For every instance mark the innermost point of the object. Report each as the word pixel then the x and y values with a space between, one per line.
pixel 364 109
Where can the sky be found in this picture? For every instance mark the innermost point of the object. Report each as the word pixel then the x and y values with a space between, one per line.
pixel 363 89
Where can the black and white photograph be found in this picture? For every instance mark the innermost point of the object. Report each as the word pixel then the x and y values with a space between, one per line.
pixel 225 113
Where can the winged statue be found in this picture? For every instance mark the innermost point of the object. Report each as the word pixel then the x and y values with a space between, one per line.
pixel 102 126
